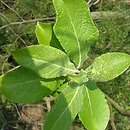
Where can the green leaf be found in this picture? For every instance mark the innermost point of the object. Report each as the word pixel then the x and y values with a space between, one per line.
pixel 24 86
pixel 95 111
pixel 46 36
pixel 108 66
pixel 55 42
pixel 1 77
pixel 68 105
pixel 79 78
pixel 44 33
pixel 74 28
pixel 46 61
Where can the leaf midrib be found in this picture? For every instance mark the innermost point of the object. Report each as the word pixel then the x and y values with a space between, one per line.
pixel 26 82
pixel 89 100
pixel 66 108
pixel 79 49
pixel 106 68
pixel 58 66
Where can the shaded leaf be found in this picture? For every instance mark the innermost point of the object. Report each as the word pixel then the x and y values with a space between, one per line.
pixel 24 86
pixel 68 105
pixel 47 61
pixel 55 42
pixel 95 111
pixel 74 28
pixel 108 66
pixel 46 36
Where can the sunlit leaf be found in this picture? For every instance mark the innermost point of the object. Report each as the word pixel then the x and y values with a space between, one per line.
pixel 74 28
pixel 95 111
pixel 68 105
pixel 108 66
pixel 46 61
pixel 44 33
pixel 79 78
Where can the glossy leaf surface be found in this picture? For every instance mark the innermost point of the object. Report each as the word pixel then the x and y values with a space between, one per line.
pixel 47 61
pixel 68 105
pixel 108 66
pixel 95 111
pixel 24 86
pixel 44 33
pixel 74 28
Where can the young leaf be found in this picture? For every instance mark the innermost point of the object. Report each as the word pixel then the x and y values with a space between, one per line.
pixel 44 33
pixel 46 36
pixel 24 86
pixel 68 105
pixel 108 66
pixel 55 42
pixel 74 28
pixel 79 78
pixel 95 111
pixel 46 61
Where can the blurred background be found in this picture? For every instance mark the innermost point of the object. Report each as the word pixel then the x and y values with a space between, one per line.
pixel 17 29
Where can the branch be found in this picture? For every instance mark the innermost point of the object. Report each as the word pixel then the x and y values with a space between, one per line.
pixel 4 17
pixel 95 16
pixel 120 109
pixel 12 10
pixel 28 21
pixel 112 122
pixel 127 2
pixel 90 2
pixel 108 14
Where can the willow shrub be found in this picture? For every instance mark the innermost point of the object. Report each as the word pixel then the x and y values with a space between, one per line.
pixel 56 66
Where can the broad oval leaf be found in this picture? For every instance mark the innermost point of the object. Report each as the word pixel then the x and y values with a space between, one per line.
pixel 24 86
pixel 95 111
pixel 44 33
pixel 46 61
pixel 74 28
pixel 68 105
pixel 108 66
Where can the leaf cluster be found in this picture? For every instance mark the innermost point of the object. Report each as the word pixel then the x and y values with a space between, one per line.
pixel 56 66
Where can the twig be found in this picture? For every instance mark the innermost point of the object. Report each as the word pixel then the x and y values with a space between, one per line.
pixel 95 16
pixel 115 27
pixel 17 111
pixel 112 122
pixel 127 2
pixel 96 2
pixel 12 29
pixel 12 10
pixel 107 15
pixel 14 68
pixel 28 21
pixel 90 2
pixel 120 109
pixel 2 68
pixel 48 101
